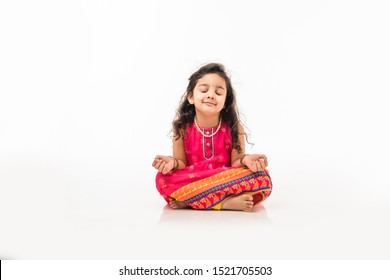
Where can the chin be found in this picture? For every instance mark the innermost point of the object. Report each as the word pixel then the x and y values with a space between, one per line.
pixel 210 112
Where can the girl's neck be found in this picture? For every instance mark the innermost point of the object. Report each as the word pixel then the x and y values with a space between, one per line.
pixel 207 121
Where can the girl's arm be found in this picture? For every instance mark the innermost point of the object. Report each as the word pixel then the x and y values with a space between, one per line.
pixel 179 152
pixel 235 155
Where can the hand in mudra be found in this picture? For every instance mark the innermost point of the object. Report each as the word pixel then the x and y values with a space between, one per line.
pixel 164 164
pixel 255 162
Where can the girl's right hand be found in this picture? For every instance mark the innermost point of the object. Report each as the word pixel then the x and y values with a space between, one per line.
pixel 164 164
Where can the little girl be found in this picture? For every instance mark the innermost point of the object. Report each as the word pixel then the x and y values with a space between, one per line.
pixel 209 168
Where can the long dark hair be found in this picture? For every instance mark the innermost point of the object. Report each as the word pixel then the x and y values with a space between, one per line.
pixel 185 113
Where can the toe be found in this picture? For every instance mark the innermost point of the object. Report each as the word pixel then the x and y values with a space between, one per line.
pixel 248 208
pixel 174 206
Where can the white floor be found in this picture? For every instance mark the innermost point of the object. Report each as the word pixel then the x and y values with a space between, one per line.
pixel 59 215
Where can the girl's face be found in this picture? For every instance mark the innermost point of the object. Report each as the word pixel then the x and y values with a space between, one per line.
pixel 209 94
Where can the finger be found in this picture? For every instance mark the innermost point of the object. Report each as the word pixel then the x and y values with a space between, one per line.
pixel 159 163
pixel 262 164
pixel 166 169
pixel 261 157
pixel 160 157
pixel 161 167
pixel 155 162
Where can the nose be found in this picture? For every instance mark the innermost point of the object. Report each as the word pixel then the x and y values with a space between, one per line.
pixel 210 94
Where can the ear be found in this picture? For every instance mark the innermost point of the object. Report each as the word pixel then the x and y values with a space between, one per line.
pixel 190 98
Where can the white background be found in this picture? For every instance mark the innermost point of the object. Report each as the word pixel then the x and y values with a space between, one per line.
pixel 88 91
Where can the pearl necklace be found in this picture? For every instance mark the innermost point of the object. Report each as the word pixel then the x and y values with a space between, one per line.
pixel 205 135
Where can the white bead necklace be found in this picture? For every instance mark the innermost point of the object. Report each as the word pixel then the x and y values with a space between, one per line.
pixel 205 135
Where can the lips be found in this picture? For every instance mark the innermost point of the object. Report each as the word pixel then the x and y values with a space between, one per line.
pixel 209 103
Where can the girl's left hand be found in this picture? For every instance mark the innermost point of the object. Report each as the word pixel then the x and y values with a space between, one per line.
pixel 255 162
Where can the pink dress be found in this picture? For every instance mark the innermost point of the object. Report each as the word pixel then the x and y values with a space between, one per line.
pixel 208 179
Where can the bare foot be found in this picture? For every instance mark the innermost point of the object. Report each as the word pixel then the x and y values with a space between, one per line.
pixel 177 204
pixel 242 202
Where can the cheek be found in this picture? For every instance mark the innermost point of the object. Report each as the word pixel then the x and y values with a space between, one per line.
pixel 197 96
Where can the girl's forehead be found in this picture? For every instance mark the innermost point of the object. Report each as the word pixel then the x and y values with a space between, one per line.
pixel 212 80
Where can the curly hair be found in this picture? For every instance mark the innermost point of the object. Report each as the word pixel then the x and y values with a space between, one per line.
pixel 185 113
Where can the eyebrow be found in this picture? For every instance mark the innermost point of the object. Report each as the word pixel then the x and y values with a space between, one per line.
pixel 209 85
